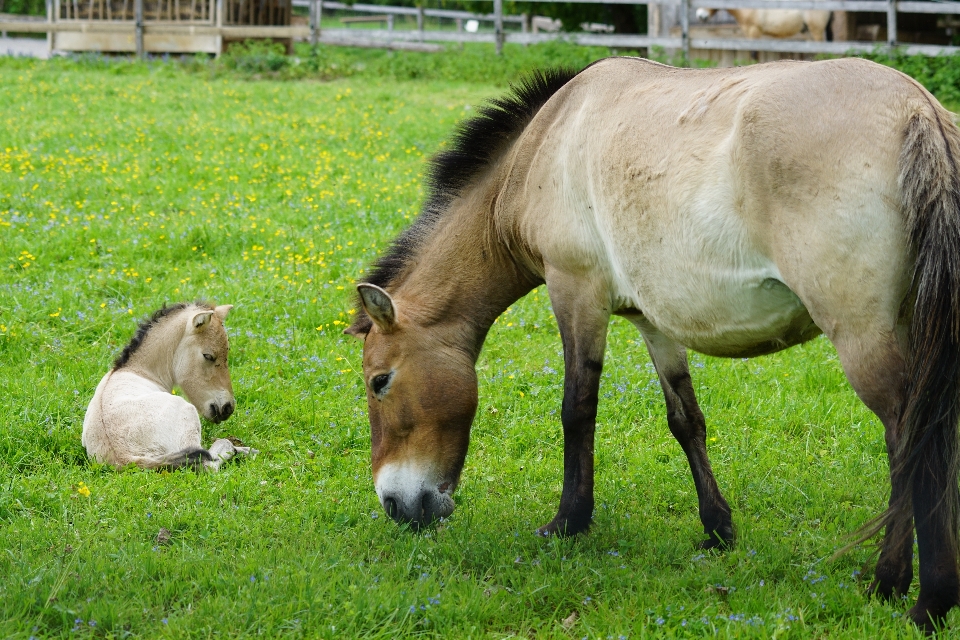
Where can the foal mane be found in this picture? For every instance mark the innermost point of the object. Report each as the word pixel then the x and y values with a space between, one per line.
pixel 475 144
pixel 147 325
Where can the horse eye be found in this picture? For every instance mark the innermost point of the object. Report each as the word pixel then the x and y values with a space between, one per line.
pixel 209 357
pixel 379 382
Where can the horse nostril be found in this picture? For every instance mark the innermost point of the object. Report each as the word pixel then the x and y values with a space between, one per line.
pixel 390 505
pixel 226 411
pixel 214 411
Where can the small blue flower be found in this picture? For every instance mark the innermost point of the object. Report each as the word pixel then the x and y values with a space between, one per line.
pixel 660 621
pixel 164 621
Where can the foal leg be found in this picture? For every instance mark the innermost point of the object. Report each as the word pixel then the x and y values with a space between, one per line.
pixel 582 315
pixel 876 371
pixel 689 428
pixel 221 451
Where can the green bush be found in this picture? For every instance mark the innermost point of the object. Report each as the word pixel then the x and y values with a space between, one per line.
pixel 939 74
pixel 24 7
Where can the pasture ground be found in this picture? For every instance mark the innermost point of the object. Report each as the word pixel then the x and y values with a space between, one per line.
pixel 124 186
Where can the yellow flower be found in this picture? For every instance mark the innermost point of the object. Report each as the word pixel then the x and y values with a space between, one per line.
pixel 83 490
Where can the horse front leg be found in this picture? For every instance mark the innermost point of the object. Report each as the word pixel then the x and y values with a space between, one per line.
pixel 582 315
pixel 689 428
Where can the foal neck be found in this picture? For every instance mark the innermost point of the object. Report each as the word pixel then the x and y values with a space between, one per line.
pixel 155 358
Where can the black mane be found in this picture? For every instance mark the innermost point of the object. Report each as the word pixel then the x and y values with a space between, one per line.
pixel 145 327
pixel 475 144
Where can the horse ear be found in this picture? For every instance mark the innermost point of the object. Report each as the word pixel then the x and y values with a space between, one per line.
pixel 223 310
pixel 379 305
pixel 200 319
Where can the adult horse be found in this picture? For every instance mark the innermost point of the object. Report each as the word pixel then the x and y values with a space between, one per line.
pixel 736 212
pixel 778 23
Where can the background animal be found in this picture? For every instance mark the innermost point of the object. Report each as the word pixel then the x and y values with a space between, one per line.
pixel 778 23
pixel 736 212
pixel 134 417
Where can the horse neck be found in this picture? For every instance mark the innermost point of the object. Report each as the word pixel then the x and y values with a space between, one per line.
pixel 155 359
pixel 464 275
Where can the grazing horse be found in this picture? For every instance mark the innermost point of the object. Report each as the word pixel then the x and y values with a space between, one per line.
pixel 779 23
pixel 134 416
pixel 735 212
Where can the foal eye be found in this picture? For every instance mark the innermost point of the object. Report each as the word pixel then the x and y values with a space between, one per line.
pixel 209 358
pixel 379 383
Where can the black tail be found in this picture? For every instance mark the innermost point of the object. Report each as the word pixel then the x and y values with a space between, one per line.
pixel 191 457
pixel 929 444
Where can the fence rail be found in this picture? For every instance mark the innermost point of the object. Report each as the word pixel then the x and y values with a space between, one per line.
pixel 143 26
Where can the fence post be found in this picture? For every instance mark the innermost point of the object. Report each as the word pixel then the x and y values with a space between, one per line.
pixel 685 28
pixel 49 21
pixel 498 25
pixel 316 6
pixel 524 23
pixel 420 19
pixel 138 27
pixel 892 23
pixel 220 10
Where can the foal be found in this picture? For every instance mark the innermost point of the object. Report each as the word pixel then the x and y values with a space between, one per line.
pixel 134 416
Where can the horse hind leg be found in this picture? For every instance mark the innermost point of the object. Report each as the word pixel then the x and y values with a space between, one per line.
pixel 688 426
pixel 877 371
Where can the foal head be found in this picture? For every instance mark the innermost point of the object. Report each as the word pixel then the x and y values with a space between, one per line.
pixel 186 346
pixel 421 399
pixel 200 363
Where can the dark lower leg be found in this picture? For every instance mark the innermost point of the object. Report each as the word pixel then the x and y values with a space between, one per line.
pixel 689 428
pixel 895 567
pixel 936 545
pixel 579 417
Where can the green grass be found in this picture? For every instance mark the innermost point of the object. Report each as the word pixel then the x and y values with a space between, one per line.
pixel 124 186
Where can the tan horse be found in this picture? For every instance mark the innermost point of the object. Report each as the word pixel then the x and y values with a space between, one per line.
pixel 134 416
pixel 778 23
pixel 736 212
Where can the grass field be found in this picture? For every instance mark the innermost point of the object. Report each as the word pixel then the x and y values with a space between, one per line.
pixel 125 186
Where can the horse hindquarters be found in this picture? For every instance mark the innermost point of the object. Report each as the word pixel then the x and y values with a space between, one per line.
pixel 907 371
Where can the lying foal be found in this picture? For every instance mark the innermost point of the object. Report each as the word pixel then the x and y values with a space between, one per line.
pixel 134 416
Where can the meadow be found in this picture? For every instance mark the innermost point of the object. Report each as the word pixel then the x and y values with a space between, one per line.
pixel 124 186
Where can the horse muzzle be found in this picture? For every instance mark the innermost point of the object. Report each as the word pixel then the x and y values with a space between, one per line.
pixel 412 495
pixel 423 509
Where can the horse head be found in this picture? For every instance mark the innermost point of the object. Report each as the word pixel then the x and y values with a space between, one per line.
pixel 200 363
pixel 421 399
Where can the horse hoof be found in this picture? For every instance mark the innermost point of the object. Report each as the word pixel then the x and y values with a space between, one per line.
pixel 563 527
pixel 720 540
pixel 714 543
pixel 927 622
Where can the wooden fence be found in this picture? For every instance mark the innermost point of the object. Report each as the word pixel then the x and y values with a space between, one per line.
pixel 212 26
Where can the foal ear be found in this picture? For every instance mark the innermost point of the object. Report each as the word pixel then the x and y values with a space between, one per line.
pixel 379 305
pixel 223 310
pixel 201 318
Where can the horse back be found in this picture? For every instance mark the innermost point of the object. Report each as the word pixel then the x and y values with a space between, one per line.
pixel 722 202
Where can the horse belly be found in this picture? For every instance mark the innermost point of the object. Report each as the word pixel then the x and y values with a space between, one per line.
pixel 745 316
